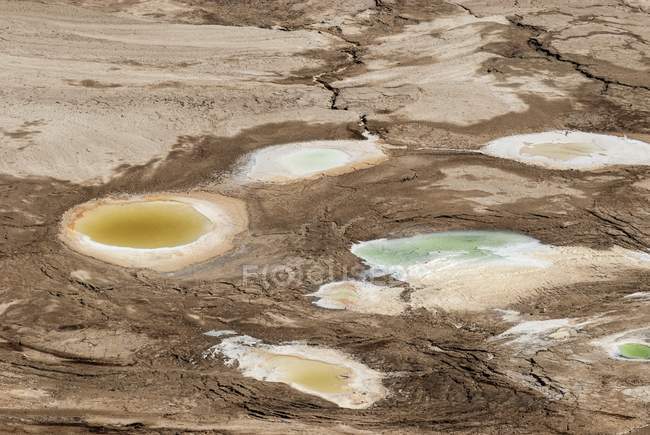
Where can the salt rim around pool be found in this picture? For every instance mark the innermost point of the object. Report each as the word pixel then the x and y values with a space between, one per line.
pixel 291 162
pixel 224 218
pixel 360 297
pixel 570 150
pixel 631 346
pixel 478 270
pixel 348 383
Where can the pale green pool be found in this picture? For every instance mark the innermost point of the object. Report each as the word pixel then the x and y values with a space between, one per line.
pixel 634 351
pixel 313 160
pixel 462 245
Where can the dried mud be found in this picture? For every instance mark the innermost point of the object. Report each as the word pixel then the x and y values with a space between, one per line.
pixel 86 346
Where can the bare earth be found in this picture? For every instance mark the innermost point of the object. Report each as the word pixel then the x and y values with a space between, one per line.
pixel 106 98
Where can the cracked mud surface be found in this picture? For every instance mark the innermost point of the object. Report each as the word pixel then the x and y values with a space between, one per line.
pixel 139 96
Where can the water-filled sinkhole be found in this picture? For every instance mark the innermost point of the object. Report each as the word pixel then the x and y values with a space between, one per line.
pixel 476 270
pixel 152 224
pixel 323 372
pixel 454 246
pixel 561 151
pixel 309 374
pixel 570 150
pixel 634 351
pixel 291 162
pixel 307 161
pixel 629 345
pixel 164 232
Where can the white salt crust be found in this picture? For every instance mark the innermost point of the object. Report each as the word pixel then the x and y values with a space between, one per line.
pixel 268 165
pixel 522 270
pixel 607 150
pixel 364 297
pixel 530 332
pixel 364 387
pixel 610 343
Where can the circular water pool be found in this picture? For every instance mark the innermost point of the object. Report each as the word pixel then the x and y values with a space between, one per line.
pixel 570 150
pixel 163 232
pixel 292 162
pixel 143 225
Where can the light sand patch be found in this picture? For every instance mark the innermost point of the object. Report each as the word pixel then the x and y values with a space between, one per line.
pixel 478 270
pixel 128 238
pixel 570 150
pixel 434 71
pixel 297 14
pixel 97 346
pixel 643 184
pixel 223 79
pixel 641 393
pixel 28 394
pixel 491 186
pixel 220 333
pixel 307 160
pixel 361 297
pixel 6 305
pixel 638 296
pixel 91 280
pixel 607 42
pixel 322 372
pixel 542 332
pixel 510 316
pixel 642 4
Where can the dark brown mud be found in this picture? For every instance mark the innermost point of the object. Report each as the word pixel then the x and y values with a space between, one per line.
pixel 90 347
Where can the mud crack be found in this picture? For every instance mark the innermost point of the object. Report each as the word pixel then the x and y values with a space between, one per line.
pixel 466 9
pixel 538 46
pixel 335 91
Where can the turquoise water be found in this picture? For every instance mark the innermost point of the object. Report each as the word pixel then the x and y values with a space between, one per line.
pixel 461 245
pixel 311 160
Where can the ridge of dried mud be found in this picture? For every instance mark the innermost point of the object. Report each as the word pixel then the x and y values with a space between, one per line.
pixel 85 346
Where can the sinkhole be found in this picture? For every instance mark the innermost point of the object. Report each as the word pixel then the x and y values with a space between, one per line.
pixel 454 246
pixel 292 162
pixel 630 345
pixel 311 375
pixel 163 232
pixel 153 224
pixel 323 372
pixel 477 269
pixel 570 150
pixel 561 151
pixel 307 161
pixel 636 351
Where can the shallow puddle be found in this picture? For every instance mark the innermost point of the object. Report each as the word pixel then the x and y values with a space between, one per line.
pixel 561 151
pixel 303 160
pixel 308 161
pixel 164 232
pixel 477 270
pixel 154 224
pixel 570 150
pixel 630 345
pixel 322 372
pixel 448 245
pixel 310 374
pixel 634 351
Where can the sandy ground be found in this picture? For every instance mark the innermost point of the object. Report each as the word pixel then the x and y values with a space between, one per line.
pixel 103 98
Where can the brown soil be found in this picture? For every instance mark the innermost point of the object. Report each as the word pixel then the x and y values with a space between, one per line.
pixel 90 347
